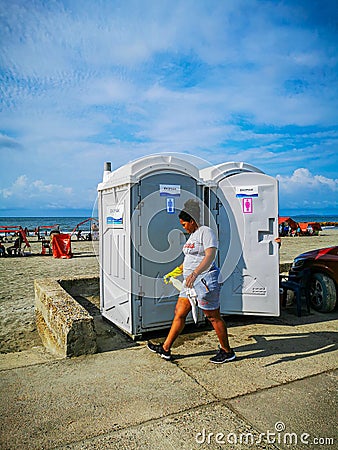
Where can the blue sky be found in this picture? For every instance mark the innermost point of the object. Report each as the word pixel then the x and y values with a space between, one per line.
pixel 83 82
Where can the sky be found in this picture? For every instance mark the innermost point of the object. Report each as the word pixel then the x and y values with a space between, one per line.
pixel 83 82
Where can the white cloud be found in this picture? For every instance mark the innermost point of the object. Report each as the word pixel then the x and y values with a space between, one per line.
pixel 25 192
pixel 106 80
pixel 303 179
pixel 303 190
pixel 18 186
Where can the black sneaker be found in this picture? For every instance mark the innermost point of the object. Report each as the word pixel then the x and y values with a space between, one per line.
pixel 158 348
pixel 222 356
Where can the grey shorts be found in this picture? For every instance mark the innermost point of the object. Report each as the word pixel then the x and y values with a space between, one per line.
pixel 208 289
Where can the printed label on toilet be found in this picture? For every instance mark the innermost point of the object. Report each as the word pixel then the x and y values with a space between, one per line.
pixel 170 205
pixel 247 205
pixel 115 214
pixel 173 190
pixel 246 191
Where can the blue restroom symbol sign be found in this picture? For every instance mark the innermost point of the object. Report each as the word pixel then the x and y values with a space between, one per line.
pixel 170 205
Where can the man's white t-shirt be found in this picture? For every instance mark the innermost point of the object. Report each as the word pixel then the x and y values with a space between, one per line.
pixel 194 249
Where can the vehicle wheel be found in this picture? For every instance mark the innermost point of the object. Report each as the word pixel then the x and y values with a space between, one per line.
pixel 322 292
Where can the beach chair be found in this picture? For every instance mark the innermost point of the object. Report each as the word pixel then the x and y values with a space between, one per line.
pixel 299 286
pixel 15 249
pixel 45 246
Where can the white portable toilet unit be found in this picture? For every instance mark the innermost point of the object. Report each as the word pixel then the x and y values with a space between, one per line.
pixel 141 239
pixel 243 205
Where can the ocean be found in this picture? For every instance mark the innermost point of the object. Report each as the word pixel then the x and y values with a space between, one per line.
pixel 314 218
pixel 67 224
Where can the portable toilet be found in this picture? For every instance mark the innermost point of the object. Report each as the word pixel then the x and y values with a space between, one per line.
pixel 141 239
pixel 243 205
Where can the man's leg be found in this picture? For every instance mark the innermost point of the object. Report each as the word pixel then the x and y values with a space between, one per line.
pixel 182 309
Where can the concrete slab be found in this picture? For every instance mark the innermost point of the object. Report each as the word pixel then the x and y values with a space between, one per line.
pixel 130 398
pixel 305 406
pixel 36 355
pixel 274 353
pixel 50 404
pixel 315 321
pixel 212 426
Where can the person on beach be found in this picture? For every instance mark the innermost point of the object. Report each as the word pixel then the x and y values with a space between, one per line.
pixel 199 272
pixel 16 247
pixel 2 249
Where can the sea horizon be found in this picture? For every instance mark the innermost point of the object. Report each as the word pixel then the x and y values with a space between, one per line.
pixel 68 223
pixel 65 223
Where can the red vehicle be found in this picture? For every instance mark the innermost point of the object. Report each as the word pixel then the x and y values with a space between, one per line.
pixel 323 277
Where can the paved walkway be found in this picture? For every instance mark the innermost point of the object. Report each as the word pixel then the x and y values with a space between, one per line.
pixel 283 383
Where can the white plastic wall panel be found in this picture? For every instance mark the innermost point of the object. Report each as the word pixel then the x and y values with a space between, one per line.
pixel 247 227
pixel 134 171
pixel 115 257
pixel 214 174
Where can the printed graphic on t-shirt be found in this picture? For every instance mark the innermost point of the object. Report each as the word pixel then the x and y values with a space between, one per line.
pixel 194 248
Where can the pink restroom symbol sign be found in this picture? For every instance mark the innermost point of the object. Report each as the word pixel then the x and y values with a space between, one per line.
pixel 247 206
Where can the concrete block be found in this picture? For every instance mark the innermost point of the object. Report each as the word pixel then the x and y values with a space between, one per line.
pixel 88 286
pixel 65 327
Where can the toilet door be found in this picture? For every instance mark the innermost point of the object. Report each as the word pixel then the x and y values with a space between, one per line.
pixel 245 208
pixel 158 247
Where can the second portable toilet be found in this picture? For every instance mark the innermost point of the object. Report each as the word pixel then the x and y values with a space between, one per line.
pixel 243 205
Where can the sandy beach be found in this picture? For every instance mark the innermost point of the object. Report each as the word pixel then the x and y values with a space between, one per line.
pixel 17 317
